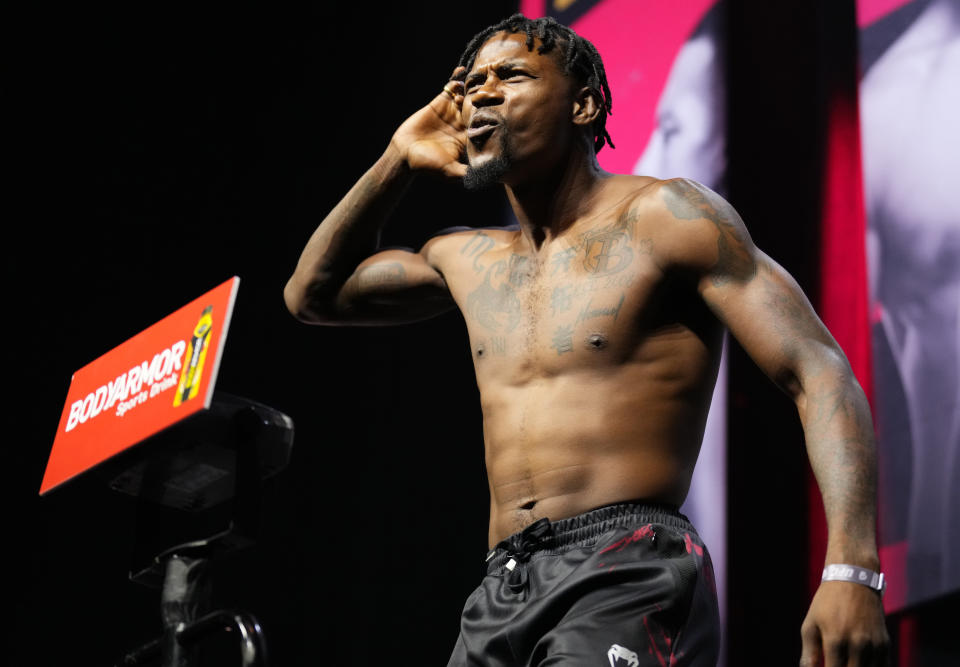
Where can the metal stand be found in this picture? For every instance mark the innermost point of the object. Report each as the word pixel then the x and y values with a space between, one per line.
pixel 185 594
pixel 238 441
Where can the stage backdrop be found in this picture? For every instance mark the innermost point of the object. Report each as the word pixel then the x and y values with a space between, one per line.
pixel 909 101
pixel 664 63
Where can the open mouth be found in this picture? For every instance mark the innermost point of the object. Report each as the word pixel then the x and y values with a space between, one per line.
pixel 481 127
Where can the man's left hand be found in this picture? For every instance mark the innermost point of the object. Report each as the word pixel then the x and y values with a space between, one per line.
pixel 844 626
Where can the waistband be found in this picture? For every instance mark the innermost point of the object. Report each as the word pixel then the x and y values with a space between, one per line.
pixel 551 537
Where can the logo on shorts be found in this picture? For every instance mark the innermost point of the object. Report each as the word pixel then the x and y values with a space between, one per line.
pixel 617 652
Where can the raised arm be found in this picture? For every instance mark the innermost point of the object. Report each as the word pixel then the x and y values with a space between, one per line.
pixel 339 279
pixel 770 317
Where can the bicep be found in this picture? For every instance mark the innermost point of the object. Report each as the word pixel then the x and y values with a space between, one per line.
pixel 390 287
pixel 761 304
pixel 774 322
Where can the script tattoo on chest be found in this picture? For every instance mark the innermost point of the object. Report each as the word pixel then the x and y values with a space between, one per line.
pixel 599 260
pixel 563 339
pixel 561 299
pixel 494 345
pixel 475 247
pixel 561 261
pixel 589 312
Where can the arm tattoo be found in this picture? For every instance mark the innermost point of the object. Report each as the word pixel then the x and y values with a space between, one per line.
pixel 793 319
pixel 839 437
pixel 688 202
pixel 391 274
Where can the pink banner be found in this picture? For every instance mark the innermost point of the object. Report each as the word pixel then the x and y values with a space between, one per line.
pixel 639 41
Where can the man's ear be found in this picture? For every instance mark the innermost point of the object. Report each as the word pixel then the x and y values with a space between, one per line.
pixel 586 106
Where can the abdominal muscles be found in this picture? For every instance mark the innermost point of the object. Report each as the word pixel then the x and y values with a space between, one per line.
pixel 560 445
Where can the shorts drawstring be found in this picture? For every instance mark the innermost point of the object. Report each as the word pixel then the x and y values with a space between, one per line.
pixel 510 556
pixel 519 548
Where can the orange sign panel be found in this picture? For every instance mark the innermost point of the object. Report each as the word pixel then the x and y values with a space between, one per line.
pixel 159 377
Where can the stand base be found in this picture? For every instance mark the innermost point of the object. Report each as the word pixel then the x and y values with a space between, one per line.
pixel 186 587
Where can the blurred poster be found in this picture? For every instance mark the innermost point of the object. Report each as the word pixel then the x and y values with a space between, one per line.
pixel 909 97
pixel 665 68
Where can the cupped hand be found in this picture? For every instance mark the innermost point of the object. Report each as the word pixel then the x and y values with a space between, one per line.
pixel 434 138
pixel 844 627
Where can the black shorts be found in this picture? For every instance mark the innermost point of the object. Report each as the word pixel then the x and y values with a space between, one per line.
pixel 620 586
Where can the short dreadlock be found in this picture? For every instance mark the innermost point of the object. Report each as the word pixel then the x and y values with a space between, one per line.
pixel 580 59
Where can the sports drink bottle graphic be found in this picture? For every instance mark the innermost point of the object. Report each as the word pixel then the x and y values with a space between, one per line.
pixel 192 371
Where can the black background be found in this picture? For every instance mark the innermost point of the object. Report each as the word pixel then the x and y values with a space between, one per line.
pixel 156 150
pixel 163 150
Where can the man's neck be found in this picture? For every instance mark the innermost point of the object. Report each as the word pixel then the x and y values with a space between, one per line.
pixel 547 206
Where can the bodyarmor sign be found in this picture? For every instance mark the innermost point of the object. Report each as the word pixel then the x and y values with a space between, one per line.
pixel 159 377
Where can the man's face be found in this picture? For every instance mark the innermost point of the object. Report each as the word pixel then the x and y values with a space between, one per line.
pixel 517 108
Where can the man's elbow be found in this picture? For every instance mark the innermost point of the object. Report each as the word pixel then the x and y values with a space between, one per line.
pixel 806 366
pixel 831 360
pixel 298 301
pixel 828 370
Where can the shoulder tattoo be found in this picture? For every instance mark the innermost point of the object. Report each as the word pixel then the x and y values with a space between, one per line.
pixel 686 201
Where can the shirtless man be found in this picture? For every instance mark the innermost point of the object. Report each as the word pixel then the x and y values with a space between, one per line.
pixel 596 330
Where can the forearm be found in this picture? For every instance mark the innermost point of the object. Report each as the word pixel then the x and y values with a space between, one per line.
pixel 840 443
pixel 347 235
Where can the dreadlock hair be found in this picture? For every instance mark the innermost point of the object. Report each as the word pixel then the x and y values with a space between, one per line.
pixel 580 58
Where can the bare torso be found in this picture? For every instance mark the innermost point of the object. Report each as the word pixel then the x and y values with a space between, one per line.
pixel 596 328
pixel 595 364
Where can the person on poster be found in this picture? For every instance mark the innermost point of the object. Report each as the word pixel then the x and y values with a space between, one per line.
pixel 595 330
pixel 909 100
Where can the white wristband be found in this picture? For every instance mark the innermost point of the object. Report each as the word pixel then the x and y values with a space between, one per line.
pixel 857 575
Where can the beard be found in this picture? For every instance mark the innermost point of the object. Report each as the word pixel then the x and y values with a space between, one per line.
pixel 493 170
